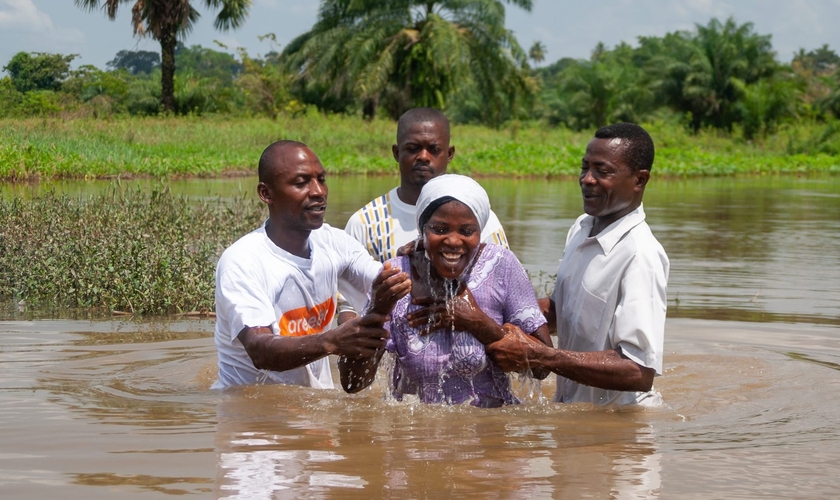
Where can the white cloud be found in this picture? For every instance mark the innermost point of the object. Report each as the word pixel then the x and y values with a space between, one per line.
pixel 24 27
pixel 23 19
pixel 16 14
pixel 708 8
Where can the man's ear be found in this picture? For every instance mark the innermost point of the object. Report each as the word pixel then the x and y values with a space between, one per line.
pixel 264 193
pixel 451 153
pixel 642 178
pixel 396 151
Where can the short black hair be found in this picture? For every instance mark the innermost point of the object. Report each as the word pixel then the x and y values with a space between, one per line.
pixel 639 151
pixel 417 115
pixel 265 166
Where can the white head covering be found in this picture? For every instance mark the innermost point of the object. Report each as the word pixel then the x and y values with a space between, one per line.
pixel 459 187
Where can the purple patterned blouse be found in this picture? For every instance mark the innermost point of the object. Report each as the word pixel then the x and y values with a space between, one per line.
pixel 452 367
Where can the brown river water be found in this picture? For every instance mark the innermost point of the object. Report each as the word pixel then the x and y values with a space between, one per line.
pixel 121 408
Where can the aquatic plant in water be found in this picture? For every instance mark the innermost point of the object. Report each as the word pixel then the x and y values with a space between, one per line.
pixel 122 251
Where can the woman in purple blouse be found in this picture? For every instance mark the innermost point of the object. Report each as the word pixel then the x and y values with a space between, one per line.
pixel 464 295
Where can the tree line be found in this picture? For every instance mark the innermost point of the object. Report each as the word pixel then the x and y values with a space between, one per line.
pixel 377 58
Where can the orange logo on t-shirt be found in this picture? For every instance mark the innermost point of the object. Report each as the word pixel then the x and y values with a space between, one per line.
pixel 307 321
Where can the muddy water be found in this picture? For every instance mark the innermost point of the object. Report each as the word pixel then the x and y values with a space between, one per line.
pixel 121 408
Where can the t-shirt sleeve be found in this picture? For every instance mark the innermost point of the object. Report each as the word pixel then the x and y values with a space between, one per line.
pixel 640 314
pixel 359 271
pixel 356 230
pixel 241 301
pixel 520 306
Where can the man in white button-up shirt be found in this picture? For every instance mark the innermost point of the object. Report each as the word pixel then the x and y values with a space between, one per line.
pixel 610 298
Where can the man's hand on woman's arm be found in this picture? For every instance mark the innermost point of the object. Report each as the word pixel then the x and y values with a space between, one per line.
pixel 358 371
pixel 606 369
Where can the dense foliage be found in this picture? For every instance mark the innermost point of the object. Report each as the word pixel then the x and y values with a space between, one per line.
pixel 127 250
pixel 375 59
pixel 409 53
pixel 722 75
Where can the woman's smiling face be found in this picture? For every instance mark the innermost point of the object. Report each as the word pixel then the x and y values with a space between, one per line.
pixel 451 236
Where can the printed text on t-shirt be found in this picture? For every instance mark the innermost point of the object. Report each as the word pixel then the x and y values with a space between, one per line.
pixel 307 320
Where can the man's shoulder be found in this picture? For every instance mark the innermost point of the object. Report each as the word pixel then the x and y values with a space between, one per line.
pixel 247 256
pixel 342 244
pixel 493 222
pixel 645 241
pixel 576 227
pixel 579 221
pixel 362 218
pixel 248 244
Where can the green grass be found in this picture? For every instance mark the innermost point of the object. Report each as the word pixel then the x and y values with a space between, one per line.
pixel 219 145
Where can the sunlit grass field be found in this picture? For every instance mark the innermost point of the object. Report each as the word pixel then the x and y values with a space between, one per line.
pixel 40 148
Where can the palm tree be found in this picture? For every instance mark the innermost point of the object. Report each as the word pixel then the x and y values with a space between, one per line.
pixel 705 73
pixel 537 52
pixel 406 53
pixel 604 90
pixel 169 21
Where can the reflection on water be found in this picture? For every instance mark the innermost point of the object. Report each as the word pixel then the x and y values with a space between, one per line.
pixel 361 447
pixel 98 409
pixel 106 408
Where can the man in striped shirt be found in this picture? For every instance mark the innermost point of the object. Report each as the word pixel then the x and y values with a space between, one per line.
pixel 388 221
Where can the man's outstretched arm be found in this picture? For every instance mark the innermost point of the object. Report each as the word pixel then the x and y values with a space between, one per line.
pixel 280 353
pixel 602 369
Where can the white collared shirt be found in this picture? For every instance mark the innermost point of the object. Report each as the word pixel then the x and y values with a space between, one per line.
pixel 611 293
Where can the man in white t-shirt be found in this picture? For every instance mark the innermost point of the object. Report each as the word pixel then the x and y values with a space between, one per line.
pixel 388 221
pixel 276 286
pixel 609 301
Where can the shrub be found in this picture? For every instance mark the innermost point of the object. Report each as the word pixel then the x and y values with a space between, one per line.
pixel 146 253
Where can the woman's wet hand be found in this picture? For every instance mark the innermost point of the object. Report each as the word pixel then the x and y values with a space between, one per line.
pixel 390 285
pixel 461 314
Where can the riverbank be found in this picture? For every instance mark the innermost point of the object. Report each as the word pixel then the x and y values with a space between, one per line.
pixel 213 146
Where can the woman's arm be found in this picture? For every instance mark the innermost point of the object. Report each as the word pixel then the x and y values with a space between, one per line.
pixel 462 314
pixel 358 372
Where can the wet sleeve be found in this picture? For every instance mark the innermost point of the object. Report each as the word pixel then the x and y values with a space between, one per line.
pixel 639 322
pixel 359 271
pixel 356 230
pixel 520 307
pixel 241 301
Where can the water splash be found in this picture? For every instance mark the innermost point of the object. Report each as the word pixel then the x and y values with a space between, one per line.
pixel 429 284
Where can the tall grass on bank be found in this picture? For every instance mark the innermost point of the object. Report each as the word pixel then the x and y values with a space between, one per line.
pixel 126 250
pixel 217 145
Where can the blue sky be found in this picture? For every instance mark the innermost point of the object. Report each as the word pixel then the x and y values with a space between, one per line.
pixel 567 28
